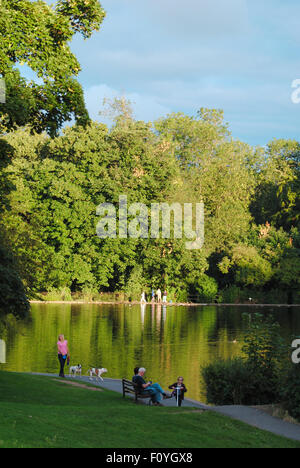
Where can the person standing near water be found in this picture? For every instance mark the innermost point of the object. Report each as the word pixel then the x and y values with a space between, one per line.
pixel 153 295
pixel 63 353
pixel 165 297
pixel 158 294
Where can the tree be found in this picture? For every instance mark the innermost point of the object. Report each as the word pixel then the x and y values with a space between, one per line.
pixel 119 110
pixel 287 272
pixel 13 298
pixel 37 35
pixel 277 197
pixel 51 219
pixel 215 170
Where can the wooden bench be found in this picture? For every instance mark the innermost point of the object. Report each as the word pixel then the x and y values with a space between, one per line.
pixel 133 389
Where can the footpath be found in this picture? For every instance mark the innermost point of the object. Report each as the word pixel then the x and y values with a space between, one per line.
pixel 252 416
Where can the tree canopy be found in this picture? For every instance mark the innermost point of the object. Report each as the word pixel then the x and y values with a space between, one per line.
pixel 51 214
pixel 37 35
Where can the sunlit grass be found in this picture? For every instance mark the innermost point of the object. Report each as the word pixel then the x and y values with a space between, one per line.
pixel 38 411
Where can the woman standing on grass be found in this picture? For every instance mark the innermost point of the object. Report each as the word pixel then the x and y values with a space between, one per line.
pixel 63 353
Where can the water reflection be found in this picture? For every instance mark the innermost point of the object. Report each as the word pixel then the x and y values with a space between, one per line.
pixel 143 309
pixel 168 341
pixel 2 352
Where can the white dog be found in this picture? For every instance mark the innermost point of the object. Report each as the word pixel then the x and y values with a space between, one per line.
pixel 97 372
pixel 74 370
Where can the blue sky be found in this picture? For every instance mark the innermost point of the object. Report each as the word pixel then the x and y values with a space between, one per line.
pixel 169 56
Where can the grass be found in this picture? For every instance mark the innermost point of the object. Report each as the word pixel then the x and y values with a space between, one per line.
pixel 37 412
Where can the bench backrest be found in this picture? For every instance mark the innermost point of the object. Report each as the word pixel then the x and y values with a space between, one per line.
pixel 129 386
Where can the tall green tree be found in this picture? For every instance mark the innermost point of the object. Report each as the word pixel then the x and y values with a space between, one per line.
pixel 35 34
pixel 13 298
pixel 277 197
pixel 215 170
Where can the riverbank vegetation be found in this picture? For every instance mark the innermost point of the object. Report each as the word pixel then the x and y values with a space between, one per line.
pixel 264 374
pixel 53 180
pixel 52 415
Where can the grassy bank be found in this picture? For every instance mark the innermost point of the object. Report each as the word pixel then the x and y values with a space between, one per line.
pixel 40 411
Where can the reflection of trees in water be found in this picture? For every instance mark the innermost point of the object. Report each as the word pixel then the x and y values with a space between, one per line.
pixel 2 352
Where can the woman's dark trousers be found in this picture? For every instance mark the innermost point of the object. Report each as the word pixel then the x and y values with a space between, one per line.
pixel 62 362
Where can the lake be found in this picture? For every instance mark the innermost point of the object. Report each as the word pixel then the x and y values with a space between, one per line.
pixel 168 341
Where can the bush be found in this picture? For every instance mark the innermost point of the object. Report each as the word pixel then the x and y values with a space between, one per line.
pixel 227 382
pixel 265 350
pixel 181 295
pixel 206 288
pixel 62 294
pixel 230 295
pixel 236 382
pixel 251 269
pixel 255 380
pixel 136 284
pixel 291 392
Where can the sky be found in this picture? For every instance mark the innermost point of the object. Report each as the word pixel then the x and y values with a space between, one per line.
pixel 172 56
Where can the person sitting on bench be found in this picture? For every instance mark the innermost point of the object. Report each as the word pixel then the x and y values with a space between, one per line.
pixel 155 389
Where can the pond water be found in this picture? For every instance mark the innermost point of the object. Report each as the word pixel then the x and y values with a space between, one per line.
pixel 168 341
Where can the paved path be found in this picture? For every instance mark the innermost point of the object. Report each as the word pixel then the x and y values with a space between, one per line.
pixel 253 417
pixel 261 420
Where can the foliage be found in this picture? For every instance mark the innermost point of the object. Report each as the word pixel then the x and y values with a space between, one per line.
pixel 50 217
pixel 250 268
pixel 227 382
pixel 291 394
pixel 278 189
pixel 52 187
pixel 216 171
pixel 230 295
pixel 12 293
pixel 206 288
pixel 255 379
pixel 265 350
pixel 37 35
pixel 135 284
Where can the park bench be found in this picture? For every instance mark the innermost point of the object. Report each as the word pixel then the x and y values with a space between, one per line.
pixel 133 389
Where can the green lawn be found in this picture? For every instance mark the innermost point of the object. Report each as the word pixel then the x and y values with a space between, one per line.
pixel 41 412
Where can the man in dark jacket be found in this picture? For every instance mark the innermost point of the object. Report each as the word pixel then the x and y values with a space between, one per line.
pixel 154 389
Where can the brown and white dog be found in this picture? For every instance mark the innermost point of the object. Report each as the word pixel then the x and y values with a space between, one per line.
pixel 96 372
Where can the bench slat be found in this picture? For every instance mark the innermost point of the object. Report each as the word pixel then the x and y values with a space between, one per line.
pixel 130 387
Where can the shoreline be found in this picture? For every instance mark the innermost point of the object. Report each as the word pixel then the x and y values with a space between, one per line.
pixel 173 304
